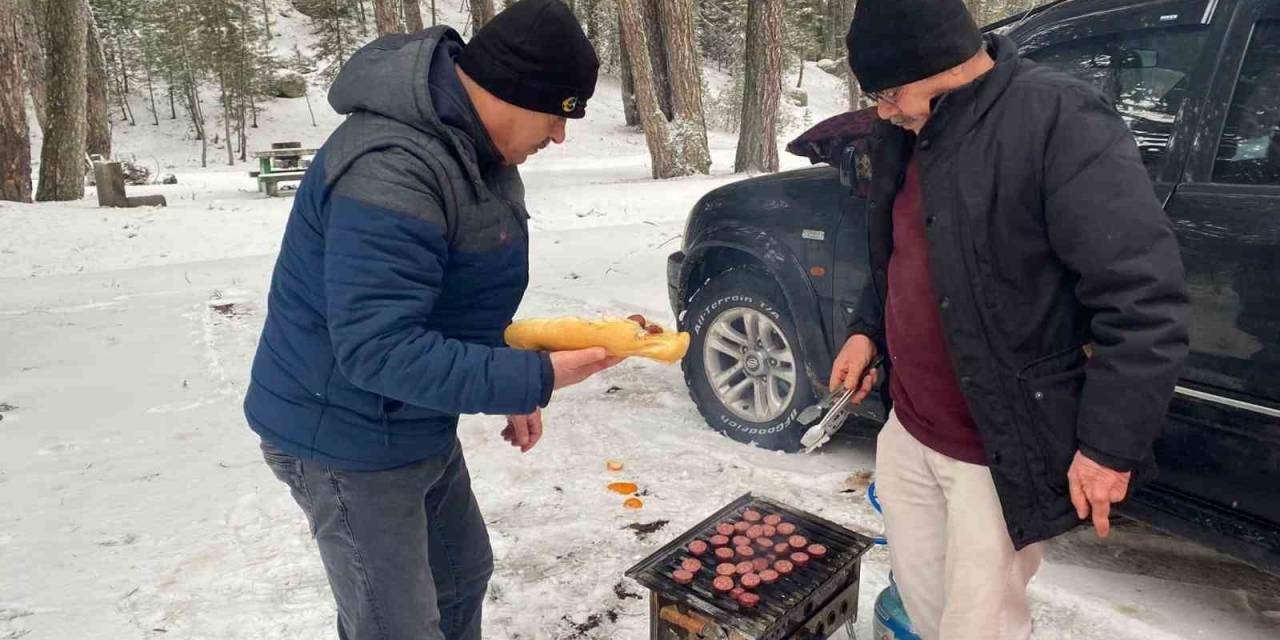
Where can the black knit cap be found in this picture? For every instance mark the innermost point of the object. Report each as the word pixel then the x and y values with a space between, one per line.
pixel 534 55
pixel 897 42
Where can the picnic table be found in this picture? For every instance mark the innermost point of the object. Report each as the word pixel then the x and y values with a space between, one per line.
pixel 286 161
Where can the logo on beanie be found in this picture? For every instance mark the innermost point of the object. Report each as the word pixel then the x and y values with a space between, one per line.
pixel 569 104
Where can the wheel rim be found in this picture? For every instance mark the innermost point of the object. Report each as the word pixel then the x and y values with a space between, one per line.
pixel 750 364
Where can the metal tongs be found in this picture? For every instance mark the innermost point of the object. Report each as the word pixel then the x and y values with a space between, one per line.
pixel 836 406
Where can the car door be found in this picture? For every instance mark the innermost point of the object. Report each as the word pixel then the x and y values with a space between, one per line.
pixel 1150 60
pixel 1223 441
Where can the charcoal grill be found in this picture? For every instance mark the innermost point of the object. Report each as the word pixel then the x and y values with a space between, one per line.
pixel 809 603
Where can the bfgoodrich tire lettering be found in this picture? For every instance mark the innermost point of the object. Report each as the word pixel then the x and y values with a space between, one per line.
pixel 765 366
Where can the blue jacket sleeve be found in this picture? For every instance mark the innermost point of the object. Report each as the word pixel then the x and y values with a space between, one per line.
pixel 383 273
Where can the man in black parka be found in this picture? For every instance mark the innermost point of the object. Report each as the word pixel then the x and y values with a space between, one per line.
pixel 1029 297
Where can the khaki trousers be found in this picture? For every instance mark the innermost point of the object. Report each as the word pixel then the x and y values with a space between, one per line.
pixel 950 551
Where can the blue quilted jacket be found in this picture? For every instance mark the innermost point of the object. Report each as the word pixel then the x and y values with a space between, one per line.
pixel 404 259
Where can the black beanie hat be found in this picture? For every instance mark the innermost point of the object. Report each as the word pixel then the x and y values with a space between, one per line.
pixel 897 42
pixel 534 55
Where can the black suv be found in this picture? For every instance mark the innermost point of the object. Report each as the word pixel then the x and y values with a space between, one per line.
pixel 772 268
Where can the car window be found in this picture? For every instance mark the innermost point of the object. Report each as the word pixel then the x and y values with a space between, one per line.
pixel 1144 73
pixel 1249 152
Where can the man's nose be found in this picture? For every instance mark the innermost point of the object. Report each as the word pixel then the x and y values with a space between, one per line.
pixel 557 132
pixel 886 110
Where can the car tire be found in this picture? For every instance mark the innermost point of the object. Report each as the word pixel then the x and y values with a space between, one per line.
pixel 761 401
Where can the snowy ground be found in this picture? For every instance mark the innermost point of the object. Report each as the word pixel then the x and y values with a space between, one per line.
pixel 137 504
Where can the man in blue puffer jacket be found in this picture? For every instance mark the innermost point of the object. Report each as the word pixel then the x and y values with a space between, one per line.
pixel 404 259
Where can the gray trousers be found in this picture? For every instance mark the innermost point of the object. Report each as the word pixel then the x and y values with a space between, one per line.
pixel 406 550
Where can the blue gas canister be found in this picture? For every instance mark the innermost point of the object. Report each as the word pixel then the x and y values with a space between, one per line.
pixel 891 621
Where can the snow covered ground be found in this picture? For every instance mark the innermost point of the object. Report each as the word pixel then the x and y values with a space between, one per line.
pixel 137 504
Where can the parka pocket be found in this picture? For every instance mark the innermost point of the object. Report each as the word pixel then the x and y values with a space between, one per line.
pixel 1051 389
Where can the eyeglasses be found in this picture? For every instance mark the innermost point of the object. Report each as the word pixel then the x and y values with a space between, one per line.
pixel 888 95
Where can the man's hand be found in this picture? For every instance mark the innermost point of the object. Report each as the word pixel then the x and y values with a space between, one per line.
pixel 1094 488
pixel 854 358
pixel 524 431
pixel 572 367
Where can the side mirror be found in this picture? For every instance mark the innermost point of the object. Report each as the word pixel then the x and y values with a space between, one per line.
pixel 849 166
pixel 855 171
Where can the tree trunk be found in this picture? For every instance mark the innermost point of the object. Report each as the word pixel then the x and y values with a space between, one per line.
pixel 592 24
pixel 629 111
pixel 481 13
pixel 97 104
pixel 124 69
pixel 33 58
pixel 266 19
pixel 337 31
pixel 657 56
pixel 173 106
pixel 629 86
pixel 835 23
pixel 758 136
pixel 307 95
pixel 364 18
pixel 62 156
pixel 651 116
pixel 122 85
pixel 386 14
pixel 253 108
pixel 689 124
pixel 15 138
pixel 412 16
pixel 226 117
pixel 433 13
pixel 151 91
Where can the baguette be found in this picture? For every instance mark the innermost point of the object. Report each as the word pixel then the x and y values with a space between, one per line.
pixel 619 336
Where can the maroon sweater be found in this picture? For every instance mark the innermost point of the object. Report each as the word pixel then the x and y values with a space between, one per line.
pixel 926 395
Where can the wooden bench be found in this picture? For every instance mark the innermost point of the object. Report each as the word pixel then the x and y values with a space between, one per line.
pixel 271 183
pixel 285 162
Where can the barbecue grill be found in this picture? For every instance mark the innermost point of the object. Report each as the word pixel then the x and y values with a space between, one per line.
pixel 810 602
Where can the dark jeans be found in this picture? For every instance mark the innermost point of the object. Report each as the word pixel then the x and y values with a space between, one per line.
pixel 405 549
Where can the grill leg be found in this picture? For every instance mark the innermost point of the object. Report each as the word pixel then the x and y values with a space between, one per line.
pixel 655 622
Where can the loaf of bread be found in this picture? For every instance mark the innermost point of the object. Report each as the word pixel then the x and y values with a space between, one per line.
pixel 619 336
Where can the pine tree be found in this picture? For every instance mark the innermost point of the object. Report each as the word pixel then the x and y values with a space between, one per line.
pixel 32 37
pixel 481 13
pixel 387 14
pixel 335 37
pixel 15 139
pixel 412 16
pixel 97 105
pixel 656 129
pixel 688 121
pixel 62 155
pixel 758 138
pixel 301 66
